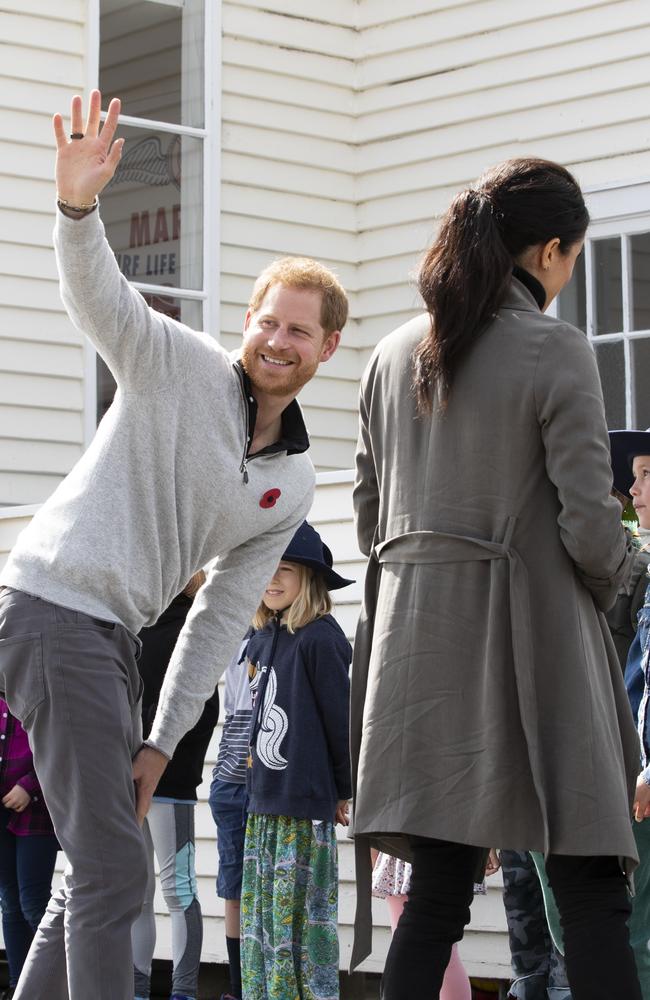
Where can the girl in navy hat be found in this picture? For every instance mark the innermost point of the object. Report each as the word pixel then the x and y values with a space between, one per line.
pixel 298 780
pixel 631 466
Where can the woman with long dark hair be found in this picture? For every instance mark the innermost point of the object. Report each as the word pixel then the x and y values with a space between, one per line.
pixel 487 702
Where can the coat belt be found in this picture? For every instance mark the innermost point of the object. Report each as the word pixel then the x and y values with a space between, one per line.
pixel 431 547
pixel 420 547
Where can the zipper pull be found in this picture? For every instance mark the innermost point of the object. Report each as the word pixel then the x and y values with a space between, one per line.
pixel 244 471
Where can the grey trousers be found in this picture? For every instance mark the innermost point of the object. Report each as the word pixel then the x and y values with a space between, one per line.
pixel 73 682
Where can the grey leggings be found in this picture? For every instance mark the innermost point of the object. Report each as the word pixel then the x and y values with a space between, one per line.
pixel 169 831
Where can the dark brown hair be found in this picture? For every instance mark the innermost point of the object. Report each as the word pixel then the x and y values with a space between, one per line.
pixel 465 274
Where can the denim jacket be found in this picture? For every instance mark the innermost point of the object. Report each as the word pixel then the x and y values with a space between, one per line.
pixel 637 682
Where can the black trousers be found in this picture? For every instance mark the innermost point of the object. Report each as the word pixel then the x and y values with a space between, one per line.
pixel 592 897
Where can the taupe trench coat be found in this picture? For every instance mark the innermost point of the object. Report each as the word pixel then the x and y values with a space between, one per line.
pixel 488 705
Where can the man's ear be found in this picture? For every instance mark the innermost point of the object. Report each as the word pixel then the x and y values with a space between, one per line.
pixel 330 344
pixel 247 319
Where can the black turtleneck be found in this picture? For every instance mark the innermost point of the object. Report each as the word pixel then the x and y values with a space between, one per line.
pixel 534 286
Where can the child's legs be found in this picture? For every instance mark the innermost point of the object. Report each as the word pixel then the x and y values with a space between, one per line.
pixel 528 932
pixel 395 907
pixel 317 948
pixel 232 909
pixel 229 804
pixel 172 832
pixel 143 931
pixel 16 931
pixel 289 909
pixel 456 984
pixel 639 922
pixel 35 860
pixel 256 875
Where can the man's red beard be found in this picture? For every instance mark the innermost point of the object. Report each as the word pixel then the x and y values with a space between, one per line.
pixel 294 376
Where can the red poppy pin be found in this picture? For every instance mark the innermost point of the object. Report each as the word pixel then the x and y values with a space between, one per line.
pixel 270 498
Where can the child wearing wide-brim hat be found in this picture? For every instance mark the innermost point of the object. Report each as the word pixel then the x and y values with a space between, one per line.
pixel 299 780
pixel 630 450
pixel 625 446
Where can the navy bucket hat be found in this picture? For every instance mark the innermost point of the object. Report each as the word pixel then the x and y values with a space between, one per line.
pixel 307 548
pixel 625 446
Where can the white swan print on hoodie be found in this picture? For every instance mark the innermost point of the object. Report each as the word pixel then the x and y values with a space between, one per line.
pixel 274 726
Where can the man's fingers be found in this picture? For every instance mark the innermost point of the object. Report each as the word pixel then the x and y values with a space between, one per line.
pixel 115 154
pixel 94 112
pixel 59 131
pixel 142 803
pixel 76 114
pixel 111 120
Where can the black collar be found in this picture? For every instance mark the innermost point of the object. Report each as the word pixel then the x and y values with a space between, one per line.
pixel 534 286
pixel 294 438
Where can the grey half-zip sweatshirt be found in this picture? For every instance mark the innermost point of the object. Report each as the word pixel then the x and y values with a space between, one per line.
pixel 160 491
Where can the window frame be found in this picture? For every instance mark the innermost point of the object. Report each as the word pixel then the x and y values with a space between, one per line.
pixel 209 293
pixel 614 211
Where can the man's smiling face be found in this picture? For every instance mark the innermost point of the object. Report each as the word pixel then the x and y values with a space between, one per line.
pixel 284 341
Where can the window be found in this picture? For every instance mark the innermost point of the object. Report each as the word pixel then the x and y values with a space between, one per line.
pixel 156 56
pixel 609 298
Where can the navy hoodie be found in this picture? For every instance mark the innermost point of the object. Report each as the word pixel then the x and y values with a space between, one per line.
pixel 300 759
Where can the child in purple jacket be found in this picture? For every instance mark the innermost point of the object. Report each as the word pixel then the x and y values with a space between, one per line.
pixel 28 846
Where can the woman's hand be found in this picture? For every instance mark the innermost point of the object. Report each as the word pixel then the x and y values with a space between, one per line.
pixel 17 799
pixel 342 812
pixel 85 166
pixel 493 863
pixel 641 807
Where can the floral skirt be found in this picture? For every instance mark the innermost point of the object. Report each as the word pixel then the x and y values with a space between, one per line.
pixel 392 877
pixel 289 904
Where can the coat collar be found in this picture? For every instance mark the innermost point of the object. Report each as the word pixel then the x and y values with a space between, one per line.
pixel 521 293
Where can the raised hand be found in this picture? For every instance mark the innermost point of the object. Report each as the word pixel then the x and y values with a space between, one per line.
pixel 85 166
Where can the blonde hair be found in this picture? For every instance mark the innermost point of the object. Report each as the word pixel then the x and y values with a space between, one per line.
pixel 305 273
pixel 194 584
pixel 313 601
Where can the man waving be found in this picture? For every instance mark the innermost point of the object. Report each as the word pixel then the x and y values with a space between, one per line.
pixel 199 460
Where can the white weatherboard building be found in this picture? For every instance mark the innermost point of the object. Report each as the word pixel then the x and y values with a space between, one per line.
pixel 340 131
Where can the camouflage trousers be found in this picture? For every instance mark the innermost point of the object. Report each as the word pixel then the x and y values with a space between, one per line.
pixel 537 966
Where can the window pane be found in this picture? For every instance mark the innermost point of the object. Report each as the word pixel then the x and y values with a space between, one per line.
pixel 153 209
pixel 641 367
pixel 611 364
pixel 151 56
pixel 189 311
pixel 640 246
pixel 572 302
pixel 607 280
